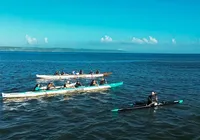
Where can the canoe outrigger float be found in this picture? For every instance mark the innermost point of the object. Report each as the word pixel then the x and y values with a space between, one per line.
pixel 60 91
pixel 142 106
pixel 68 76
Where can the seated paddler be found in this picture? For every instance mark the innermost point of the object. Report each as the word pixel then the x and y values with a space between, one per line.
pixel 103 81
pixel 97 72
pixel 50 86
pixel 152 99
pixel 78 84
pixel 67 84
pixel 93 83
pixel 37 87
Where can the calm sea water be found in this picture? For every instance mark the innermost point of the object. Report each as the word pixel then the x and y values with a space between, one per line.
pixel 87 116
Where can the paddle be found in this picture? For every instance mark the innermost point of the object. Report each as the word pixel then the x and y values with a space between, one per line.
pixel 107 73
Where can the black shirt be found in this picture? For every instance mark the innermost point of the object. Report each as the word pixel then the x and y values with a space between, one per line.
pixel 102 82
pixel 78 85
pixel 152 98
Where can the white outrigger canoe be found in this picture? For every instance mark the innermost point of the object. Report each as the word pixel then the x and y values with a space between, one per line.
pixel 69 76
pixel 60 91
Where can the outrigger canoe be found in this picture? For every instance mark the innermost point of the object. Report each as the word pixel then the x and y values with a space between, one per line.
pixel 143 106
pixel 60 91
pixel 69 76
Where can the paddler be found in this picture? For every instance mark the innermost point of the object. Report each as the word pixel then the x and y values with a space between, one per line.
pixel 62 73
pixel 91 72
pixel 50 86
pixel 57 73
pixel 97 72
pixel 103 81
pixel 74 72
pixel 67 84
pixel 93 83
pixel 37 87
pixel 78 84
pixel 81 72
pixel 152 99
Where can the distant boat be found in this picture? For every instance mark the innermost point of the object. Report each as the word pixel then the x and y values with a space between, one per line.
pixel 68 76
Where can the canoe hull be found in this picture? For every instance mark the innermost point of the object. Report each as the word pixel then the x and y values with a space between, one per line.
pixel 60 91
pixel 60 77
pixel 136 107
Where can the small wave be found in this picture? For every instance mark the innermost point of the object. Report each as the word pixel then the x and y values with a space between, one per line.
pixel 14 106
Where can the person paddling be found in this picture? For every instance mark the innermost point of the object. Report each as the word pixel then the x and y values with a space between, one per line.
pixel 103 81
pixel 97 72
pixel 152 99
pixel 81 72
pixel 62 73
pixel 37 87
pixel 67 84
pixel 78 84
pixel 93 83
pixel 50 86
pixel 57 73
pixel 91 72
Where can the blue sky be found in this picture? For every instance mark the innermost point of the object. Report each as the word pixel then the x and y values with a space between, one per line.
pixel 66 22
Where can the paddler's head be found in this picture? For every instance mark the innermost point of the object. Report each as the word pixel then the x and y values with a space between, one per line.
pixel 153 93
pixel 67 82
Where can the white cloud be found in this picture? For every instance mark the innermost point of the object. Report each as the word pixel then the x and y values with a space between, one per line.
pixel 106 39
pixel 145 41
pixel 46 40
pixel 152 40
pixel 31 40
pixel 137 40
pixel 173 41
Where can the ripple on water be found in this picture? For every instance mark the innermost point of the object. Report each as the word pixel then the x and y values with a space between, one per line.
pixel 88 116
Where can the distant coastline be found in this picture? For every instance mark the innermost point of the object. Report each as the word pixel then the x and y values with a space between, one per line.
pixel 42 49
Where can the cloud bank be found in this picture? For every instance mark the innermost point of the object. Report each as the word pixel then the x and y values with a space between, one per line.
pixel 137 40
pixel 151 40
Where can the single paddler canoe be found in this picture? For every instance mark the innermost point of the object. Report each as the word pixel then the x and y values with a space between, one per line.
pixel 68 76
pixel 143 106
pixel 60 91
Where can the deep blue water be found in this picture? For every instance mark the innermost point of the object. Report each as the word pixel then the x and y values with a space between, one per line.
pixel 88 116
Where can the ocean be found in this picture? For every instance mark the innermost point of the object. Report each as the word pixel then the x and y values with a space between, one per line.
pixel 88 116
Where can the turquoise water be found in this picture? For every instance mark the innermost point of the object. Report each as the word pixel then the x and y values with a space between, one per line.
pixel 87 115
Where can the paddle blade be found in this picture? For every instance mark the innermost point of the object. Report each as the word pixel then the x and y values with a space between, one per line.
pixel 107 73
pixel 115 110
pixel 180 101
